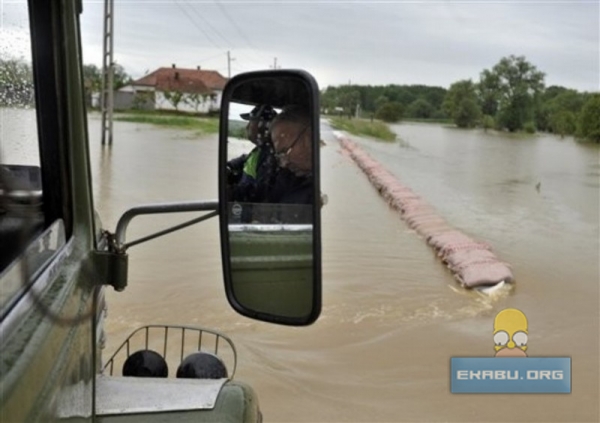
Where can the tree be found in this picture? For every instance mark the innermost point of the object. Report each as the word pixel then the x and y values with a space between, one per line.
pixel 329 100
pixel 420 109
pixel 174 97
pixel 390 112
pixel 589 119
pixel 16 83
pixel 381 100
pixel 488 92
pixel 349 100
pixel 517 84
pixel 120 77
pixel 563 123
pixel 195 100
pixel 461 104
pixel 92 81
pixel 561 110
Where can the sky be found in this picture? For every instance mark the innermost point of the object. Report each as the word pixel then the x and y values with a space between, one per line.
pixel 340 42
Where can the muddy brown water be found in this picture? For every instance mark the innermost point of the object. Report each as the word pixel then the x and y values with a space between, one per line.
pixel 392 314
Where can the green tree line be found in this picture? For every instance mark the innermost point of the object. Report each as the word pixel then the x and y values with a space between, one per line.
pixel 510 96
pixel 389 103
pixel 16 82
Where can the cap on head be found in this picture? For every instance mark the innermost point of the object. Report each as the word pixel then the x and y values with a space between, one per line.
pixel 262 111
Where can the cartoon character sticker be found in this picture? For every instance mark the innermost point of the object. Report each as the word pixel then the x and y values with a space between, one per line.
pixel 510 333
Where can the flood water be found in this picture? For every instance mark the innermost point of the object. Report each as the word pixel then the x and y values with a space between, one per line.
pixel 392 314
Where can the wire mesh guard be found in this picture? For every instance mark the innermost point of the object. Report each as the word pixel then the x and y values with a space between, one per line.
pixel 174 343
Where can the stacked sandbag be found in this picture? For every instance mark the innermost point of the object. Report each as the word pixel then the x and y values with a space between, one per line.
pixel 472 263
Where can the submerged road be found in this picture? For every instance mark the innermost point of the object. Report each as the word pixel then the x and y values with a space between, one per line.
pixel 393 315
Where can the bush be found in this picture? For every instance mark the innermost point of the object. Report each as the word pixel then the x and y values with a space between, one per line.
pixel 420 109
pixel 529 127
pixel 563 123
pixel 390 112
pixel 439 115
pixel 467 114
pixel 487 122
pixel 589 119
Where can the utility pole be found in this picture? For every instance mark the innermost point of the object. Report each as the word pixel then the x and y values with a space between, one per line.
pixel 274 66
pixel 106 97
pixel 229 60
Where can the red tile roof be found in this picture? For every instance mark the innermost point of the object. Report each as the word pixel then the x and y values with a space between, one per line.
pixel 197 81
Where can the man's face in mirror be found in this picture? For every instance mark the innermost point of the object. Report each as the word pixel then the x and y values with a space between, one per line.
pixel 292 145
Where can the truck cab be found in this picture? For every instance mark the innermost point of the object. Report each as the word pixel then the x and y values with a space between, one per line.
pixel 57 259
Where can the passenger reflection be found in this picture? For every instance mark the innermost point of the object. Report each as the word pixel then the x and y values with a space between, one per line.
pixel 249 174
pixel 291 135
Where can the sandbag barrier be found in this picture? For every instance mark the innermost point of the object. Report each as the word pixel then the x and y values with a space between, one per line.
pixel 472 263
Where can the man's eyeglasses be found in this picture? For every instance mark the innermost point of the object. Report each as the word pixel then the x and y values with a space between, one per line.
pixel 288 150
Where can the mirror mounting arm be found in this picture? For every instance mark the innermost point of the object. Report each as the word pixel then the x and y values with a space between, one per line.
pixel 120 246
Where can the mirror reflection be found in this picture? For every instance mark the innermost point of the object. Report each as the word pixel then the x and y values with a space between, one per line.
pixel 270 156
pixel 270 196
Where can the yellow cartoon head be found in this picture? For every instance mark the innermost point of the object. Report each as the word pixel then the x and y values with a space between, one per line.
pixel 510 333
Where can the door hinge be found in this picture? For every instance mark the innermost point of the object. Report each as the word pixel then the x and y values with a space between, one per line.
pixel 111 267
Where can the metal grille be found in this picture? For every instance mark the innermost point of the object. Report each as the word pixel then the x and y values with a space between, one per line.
pixel 174 343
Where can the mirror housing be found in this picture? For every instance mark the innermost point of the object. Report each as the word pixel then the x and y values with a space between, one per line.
pixel 269 196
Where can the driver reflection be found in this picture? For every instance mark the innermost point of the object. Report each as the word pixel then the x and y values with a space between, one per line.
pixel 286 194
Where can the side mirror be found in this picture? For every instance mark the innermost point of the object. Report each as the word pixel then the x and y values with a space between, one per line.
pixel 269 196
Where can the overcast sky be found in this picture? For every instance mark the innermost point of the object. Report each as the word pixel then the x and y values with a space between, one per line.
pixel 376 42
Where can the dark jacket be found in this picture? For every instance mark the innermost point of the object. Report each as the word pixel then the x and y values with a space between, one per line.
pixel 288 188
pixel 250 175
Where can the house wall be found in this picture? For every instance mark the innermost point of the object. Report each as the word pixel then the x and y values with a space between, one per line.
pixel 204 106
pixel 149 99
pixel 122 100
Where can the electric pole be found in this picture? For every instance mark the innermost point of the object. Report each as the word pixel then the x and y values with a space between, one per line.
pixel 229 60
pixel 106 98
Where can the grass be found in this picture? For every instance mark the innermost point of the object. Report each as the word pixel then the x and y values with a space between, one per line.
pixel 429 120
pixel 203 125
pixel 375 129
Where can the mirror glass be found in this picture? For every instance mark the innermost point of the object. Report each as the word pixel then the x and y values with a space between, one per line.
pixel 269 218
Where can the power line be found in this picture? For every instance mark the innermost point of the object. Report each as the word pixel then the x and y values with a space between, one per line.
pixel 227 41
pixel 208 37
pixel 207 23
pixel 206 59
pixel 203 30
pixel 238 29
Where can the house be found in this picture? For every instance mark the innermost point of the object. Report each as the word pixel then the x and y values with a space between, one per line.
pixel 191 90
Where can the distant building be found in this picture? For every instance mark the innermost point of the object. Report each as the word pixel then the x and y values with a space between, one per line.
pixel 198 90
